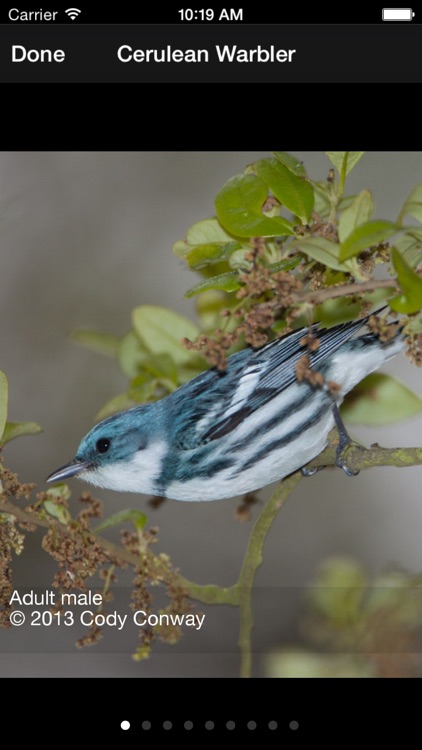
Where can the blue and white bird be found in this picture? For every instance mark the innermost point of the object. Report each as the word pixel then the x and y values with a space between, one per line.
pixel 228 433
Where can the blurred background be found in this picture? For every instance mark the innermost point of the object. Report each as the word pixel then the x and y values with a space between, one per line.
pixel 86 237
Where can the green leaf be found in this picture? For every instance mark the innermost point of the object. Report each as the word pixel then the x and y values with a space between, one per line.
pixel 133 515
pixel 337 159
pixel 208 307
pixel 4 398
pixel 103 343
pixel 377 296
pixel 412 205
pixel 57 511
pixel 322 205
pixel 193 368
pixel 292 191
pixel 338 591
pixel 323 251
pixel 359 212
pixel 142 388
pixel 227 282
pixel 207 231
pixel 13 430
pixel 59 492
pixel 389 596
pixel 415 232
pixel 285 265
pixel 379 400
pixel 414 324
pixel 206 243
pixel 161 330
pixel 290 162
pixel 413 254
pixel 238 259
pixel 300 663
pixel 161 366
pixel 364 236
pixel 239 209
pixel 334 311
pixel 200 256
pixel 410 298
pixel 409 246
pixel 131 354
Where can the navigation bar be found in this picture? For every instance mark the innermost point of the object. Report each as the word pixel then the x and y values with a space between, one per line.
pixel 219 54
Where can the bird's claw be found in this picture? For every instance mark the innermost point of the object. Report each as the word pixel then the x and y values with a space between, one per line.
pixel 343 444
pixel 311 471
pixel 341 462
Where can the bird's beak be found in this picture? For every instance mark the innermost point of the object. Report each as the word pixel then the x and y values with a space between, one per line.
pixel 68 470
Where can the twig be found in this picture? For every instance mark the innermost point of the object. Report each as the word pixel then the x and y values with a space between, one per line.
pixel 344 290
pixel 251 563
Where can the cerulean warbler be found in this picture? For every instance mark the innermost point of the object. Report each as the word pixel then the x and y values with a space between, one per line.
pixel 228 433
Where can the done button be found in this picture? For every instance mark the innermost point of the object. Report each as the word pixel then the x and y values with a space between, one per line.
pixel 21 54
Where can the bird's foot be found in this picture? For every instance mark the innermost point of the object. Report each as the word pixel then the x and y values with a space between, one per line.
pixel 344 442
pixel 309 472
pixel 341 460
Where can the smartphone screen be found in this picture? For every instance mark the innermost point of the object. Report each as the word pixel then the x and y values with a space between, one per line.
pixel 180 188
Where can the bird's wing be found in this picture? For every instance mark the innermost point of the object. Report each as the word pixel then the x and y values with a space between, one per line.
pixel 253 377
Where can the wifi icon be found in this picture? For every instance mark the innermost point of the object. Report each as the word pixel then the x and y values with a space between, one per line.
pixel 73 13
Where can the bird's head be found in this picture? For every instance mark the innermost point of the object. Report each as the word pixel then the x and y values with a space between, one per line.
pixel 113 445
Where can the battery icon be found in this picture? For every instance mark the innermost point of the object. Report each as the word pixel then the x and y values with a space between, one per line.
pixel 397 14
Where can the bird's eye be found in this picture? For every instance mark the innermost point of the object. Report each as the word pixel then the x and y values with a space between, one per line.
pixel 103 444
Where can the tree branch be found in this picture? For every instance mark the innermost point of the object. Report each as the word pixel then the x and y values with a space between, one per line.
pixel 240 594
pixel 251 563
pixel 360 458
pixel 345 290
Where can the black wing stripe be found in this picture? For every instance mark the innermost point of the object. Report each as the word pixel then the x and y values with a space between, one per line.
pixel 282 356
pixel 279 378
